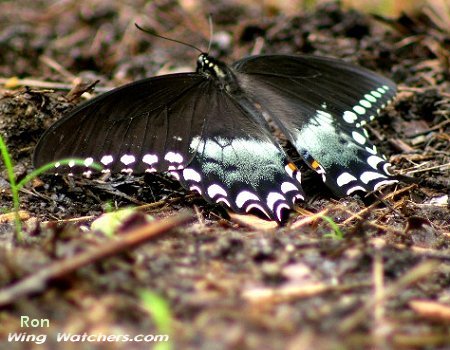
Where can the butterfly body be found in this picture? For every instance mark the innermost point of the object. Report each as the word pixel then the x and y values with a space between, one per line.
pixel 209 130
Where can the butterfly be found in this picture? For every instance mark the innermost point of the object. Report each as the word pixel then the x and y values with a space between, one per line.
pixel 210 130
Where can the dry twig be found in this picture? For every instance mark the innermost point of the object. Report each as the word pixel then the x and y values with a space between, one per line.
pixel 38 281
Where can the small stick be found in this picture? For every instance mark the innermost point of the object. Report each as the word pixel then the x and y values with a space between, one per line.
pixel 421 271
pixel 38 281
pixel 390 195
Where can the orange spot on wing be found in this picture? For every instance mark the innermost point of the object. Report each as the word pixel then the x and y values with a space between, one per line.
pixel 292 166
pixel 315 164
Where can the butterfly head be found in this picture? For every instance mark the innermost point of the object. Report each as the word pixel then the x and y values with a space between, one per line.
pixel 218 71
pixel 210 66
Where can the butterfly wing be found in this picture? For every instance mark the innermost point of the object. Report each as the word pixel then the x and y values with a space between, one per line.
pixel 187 125
pixel 147 125
pixel 321 105
pixel 238 162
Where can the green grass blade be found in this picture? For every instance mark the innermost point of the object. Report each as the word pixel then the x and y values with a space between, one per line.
pixel 337 233
pixel 14 189
pixel 46 167
pixel 162 316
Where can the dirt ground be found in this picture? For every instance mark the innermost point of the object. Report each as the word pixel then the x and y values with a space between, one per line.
pixel 385 285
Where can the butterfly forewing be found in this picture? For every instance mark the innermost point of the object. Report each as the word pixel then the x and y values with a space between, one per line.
pixel 321 105
pixel 144 126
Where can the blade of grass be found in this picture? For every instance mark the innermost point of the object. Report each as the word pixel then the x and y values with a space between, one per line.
pixel 337 233
pixel 159 308
pixel 46 167
pixel 15 187
pixel 14 190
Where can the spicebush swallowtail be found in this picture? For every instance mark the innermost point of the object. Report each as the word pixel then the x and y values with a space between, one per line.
pixel 209 129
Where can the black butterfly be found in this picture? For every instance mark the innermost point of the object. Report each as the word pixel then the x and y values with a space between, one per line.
pixel 209 129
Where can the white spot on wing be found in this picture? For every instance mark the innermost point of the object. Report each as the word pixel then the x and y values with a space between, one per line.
pixel 196 188
pixel 368 176
pixel 375 94
pixel 88 161
pixel 175 174
pixel 245 196
pixel 344 179
pixel 173 157
pixel 298 196
pixel 150 159
pixel 370 98
pixel 280 208
pixel 373 161
pixel 127 159
pixel 386 168
pixel 215 189
pixel 288 187
pixel 372 150
pixel 349 117
pixel 354 189
pixel 106 160
pixel 224 200
pixel 384 182
pixel 191 174
pixel 272 198
pixel 360 110
pixel 365 103
pixel 71 164
pixel 289 170
pixel 257 206
pixel 358 137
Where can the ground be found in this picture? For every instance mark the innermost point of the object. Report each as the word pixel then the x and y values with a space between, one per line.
pixel 385 284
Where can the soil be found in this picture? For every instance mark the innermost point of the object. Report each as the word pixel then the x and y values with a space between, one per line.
pixel 384 285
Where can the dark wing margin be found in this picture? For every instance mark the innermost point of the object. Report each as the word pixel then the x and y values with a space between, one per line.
pixel 144 126
pixel 321 105
pixel 238 163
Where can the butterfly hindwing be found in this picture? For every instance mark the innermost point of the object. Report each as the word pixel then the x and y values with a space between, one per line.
pixel 238 163
pixel 321 105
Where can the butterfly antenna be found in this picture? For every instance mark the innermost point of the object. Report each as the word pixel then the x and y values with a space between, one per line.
pixel 211 32
pixel 166 38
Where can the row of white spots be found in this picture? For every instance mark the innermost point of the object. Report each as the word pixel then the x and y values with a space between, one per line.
pixel 361 108
pixel 219 194
pixel 127 159
pixel 367 176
